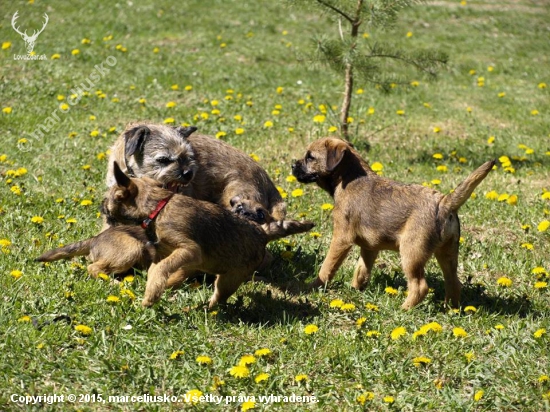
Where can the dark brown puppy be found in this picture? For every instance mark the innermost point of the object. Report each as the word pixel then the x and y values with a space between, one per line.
pixel 376 214
pixel 191 235
pixel 201 166
pixel 115 250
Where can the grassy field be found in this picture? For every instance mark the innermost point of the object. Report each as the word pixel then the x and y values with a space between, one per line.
pixel 231 68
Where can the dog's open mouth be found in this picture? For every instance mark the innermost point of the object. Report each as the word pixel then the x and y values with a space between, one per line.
pixel 175 186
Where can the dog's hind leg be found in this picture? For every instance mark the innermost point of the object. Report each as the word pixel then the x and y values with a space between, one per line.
pixel 363 269
pixel 228 284
pixel 414 256
pixel 447 257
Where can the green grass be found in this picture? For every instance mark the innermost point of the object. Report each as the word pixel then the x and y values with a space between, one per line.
pixel 44 354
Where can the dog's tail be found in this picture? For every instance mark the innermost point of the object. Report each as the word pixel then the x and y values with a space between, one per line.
pixel 463 191
pixel 74 249
pixel 277 230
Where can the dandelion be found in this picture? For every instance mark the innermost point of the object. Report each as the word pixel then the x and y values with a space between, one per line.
pixel 391 291
pixel 327 206
pixel 347 307
pixel 319 118
pixel 373 334
pixel 169 120
pixel 503 197
pixel 55 56
pixel 459 333
pixel 83 329
pixel 192 396
pixel 528 246
pixel 336 303
pixel 415 83
pixel 359 322
pixel 400 112
pixel 398 332
pixel 4 243
pixel 113 299
pixel 127 292
pixel 437 129
pixel 16 274
pixel 245 406
pixel 142 100
pixel 7 110
pixel 478 395
pixel 435 182
pixel 176 354
pixel 301 377
pixel 541 285
pixel 512 200
pixel 372 307
pixel 370 111
pixel 469 356
pixel 255 157
pixel 268 124
pixel 37 219
pixel 421 360
pixel 239 371
pixel 219 135
pixel 388 399
pixel 492 195
pixel 543 226
pixel 262 352
pixel 504 282
pixel 86 202
pixel 262 377
pixel 377 167
pixel 409 34
pixel 364 397
pixel 442 168
pixel 170 105
pixel 543 379
pixel 204 360
pixel 297 193
pixel 332 129
pixel 6 45
pixel 247 360
pixel 539 333
pixel 499 326
pixel 279 90
pixel 239 131
pixel 74 52
pixel 24 319
pixel 501 94
pixel 311 329
pixel 534 112
pixel 539 270
pixel 542 86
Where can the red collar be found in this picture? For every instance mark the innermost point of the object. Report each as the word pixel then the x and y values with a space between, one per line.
pixel 160 205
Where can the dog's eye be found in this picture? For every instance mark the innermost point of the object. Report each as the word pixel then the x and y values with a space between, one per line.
pixel 309 156
pixel 260 214
pixel 164 160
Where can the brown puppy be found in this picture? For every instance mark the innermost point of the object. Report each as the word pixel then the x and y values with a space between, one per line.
pixel 191 235
pixel 201 166
pixel 115 250
pixel 376 214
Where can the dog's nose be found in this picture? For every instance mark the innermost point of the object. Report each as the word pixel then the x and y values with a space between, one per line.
pixel 187 174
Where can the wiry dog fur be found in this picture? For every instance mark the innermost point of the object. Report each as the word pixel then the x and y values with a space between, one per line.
pixel 114 251
pixel 376 214
pixel 191 235
pixel 203 167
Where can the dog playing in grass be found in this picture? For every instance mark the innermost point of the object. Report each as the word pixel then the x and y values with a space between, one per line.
pixel 377 214
pixel 191 235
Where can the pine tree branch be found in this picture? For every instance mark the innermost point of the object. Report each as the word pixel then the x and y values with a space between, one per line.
pixel 336 10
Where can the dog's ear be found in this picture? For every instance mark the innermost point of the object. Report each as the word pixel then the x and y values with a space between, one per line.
pixel 336 149
pixel 185 132
pixel 234 200
pixel 134 139
pixel 120 177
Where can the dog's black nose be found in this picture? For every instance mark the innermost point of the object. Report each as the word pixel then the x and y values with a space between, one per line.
pixel 187 174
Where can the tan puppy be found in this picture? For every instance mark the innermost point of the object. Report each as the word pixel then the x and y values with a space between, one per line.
pixel 115 250
pixel 192 235
pixel 376 214
pixel 201 166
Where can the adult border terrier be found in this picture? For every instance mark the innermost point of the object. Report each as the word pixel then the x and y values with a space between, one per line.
pixel 114 251
pixel 191 235
pixel 196 165
pixel 376 214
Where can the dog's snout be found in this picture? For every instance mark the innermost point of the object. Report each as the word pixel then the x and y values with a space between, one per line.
pixel 187 174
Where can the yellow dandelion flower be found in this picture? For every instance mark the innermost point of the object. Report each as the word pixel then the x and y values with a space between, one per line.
pixel 542 86
pixel 442 168
pixel 437 129
pixel 239 131
pixel 327 206
pixel 492 195
pixel 388 399
pixel 169 120
pixel 113 299
pixel 55 56
pixel 541 285
pixel 398 333
pixel 459 332
pixel 512 200
pixel 469 356
pixel 364 397
pixel 247 360
pixel 247 405
pixel 409 34
pixel 421 360
pixel 239 371
pixel 373 334
pixel 499 326
pixel 204 360
pixel 478 395
pixel 219 135
pixel 176 354
pixel 24 319
pixel 543 379
pixel 268 124
pixel 170 105
pixel 37 219
pixel 391 291
pixel 262 377
pixel 262 352
pixel 254 157
pixel 370 110
pixel 192 396
pixel 6 45
pixel 83 329
pixel 311 329
pixel 534 112
pixel 539 333
pixel 539 270
pixel 528 246
pixel 74 52
pixel 359 322
pixel 336 303
pixel 437 156
pixel 297 193
pixel 377 167
pixel 543 226
pixel 501 94
pixel 415 83
pixel 504 281
pixel 320 118
pixel 400 112
pixel 279 90
pixel 127 292
pixel 332 129
pixel 301 377
pixel 503 197
pixel 372 307
pixel 435 182
pixel 347 307
pixel 86 202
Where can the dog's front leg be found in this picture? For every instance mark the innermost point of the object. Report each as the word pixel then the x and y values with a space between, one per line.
pixel 363 269
pixel 337 252
pixel 159 272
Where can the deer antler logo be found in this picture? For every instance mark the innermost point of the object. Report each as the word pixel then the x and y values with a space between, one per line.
pixel 30 41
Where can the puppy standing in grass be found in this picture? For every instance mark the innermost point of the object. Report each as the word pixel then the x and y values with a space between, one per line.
pixel 191 235
pixel 376 214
